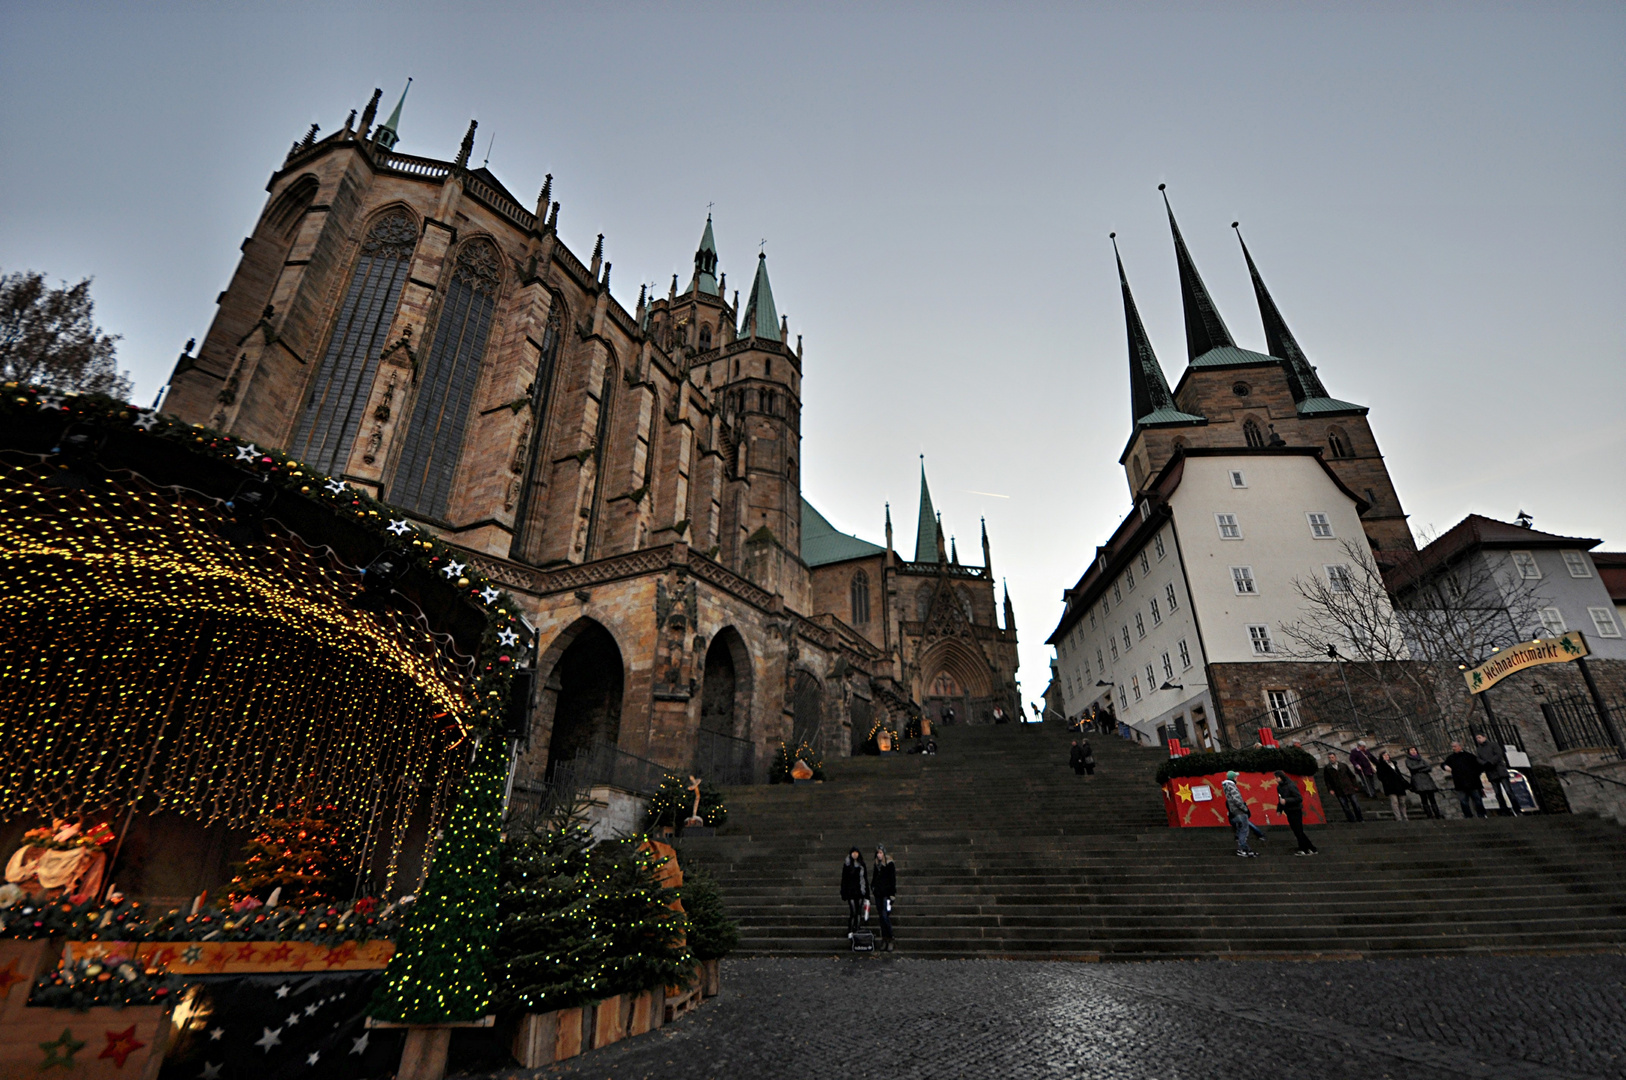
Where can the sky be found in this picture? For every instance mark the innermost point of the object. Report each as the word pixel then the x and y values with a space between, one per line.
pixel 1434 193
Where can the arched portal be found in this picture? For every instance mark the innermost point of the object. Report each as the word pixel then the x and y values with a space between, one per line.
pixel 725 690
pixel 807 710
pixel 954 684
pixel 587 683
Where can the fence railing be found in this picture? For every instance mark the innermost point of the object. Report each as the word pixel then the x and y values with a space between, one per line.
pixel 599 764
pixel 1500 732
pixel 1575 723
pixel 723 759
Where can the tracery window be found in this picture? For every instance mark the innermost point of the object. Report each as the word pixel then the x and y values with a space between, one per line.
pixel 1338 443
pixel 332 416
pixel 1252 432
pixel 705 339
pixel 860 598
pixel 423 478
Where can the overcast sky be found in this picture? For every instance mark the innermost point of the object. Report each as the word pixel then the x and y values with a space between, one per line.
pixel 1433 192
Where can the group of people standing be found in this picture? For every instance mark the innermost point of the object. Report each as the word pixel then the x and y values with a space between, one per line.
pixel 862 890
pixel 1362 771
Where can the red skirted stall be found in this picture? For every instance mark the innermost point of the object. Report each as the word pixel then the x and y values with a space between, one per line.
pixel 1199 801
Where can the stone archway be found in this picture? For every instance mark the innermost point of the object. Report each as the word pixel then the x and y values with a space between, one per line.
pixel 807 711
pixel 586 684
pixel 725 688
pixel 954 677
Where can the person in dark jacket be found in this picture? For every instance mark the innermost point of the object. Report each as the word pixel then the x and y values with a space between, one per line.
pixel 1360 763
pixel 1422 782
pixel 1395 785
pixel 884 886
pixel 1082 758
pixel 1236 809
pixel 854 888
pixel 1493 758
pixel 1465 772
pixel 1340 780
pixel 1290 801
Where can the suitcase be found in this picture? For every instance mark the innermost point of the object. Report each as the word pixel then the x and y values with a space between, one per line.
pixel 863 941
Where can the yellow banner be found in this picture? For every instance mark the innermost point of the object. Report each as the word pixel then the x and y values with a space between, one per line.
pixel 1511 661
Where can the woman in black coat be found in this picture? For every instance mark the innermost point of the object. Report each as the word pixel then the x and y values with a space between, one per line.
pixel 1422 782
pixel 854 888
pixel 885 887
pixel 1395 785
pixel 1290 801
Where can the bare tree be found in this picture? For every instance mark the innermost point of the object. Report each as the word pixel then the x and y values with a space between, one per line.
pixel 1399 632
pixel 49 338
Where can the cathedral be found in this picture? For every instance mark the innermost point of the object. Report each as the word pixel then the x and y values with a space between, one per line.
pixel 405 323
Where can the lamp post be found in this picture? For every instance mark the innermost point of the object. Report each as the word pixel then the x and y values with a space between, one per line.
pixel 1332 653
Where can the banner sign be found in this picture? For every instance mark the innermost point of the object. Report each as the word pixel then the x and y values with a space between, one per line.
pixel 1511 661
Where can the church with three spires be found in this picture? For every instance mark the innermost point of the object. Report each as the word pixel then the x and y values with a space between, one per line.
pixel 407 325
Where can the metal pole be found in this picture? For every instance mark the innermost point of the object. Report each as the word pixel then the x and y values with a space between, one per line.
pixel 1602 707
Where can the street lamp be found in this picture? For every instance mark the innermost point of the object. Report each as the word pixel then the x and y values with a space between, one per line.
pixel 1170 685
pixel 1332 654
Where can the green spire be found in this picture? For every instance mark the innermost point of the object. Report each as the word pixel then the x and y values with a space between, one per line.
pixel 1301 377
pixel 1150 402
pixel 1205 330
pixel 705 264
pixel 761 319
pixel 926 528
pixel 389 131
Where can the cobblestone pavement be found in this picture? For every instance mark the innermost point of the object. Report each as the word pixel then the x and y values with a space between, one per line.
pixel 1555 1018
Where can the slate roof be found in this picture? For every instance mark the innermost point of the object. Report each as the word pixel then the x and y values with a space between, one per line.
pixel 823 545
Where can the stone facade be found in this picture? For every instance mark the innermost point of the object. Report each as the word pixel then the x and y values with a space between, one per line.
pixel 405 323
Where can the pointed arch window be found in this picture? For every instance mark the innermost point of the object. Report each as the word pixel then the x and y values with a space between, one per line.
pixel 333 414
pixel 1252 432
pixel 705 338
pixel 1338 443
pixel 860 598
pixel 423 477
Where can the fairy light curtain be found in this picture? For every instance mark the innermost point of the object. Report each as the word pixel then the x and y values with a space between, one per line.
pixel 143 657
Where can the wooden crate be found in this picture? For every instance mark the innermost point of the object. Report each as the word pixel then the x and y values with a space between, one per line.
pixel 98 1044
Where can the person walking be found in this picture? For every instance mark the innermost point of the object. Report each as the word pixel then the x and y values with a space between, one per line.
pixel 1422 782
pixel 1340 780
pixel 1361 762
pixel 884 886
pixel 1493 758
pixel 1465 773
pixel 1290 801
pixel 1075 759
pixel 1086 758
pixel 1395 785
pixel 854 888
pixel 1236 808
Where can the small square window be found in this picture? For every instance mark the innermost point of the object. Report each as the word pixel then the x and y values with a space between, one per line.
pixel 1320 527
pixel 1576 563
pixel 1185 654
pixel 1604 620
pixel 1284 712
pixel 1100 661
pixel 1134 684
pixel 1127 643
pixel 1157 545
pixel 1553 620
pixel 1526 562
pixel 1228 528
pixel 1140 625
pixel 1170 595
pixel 1237 480
pixel 1157 616
pixel 1259 635
pixel 1168 667
pixel 1145 563
pixel 1242 578
pixel 1338 579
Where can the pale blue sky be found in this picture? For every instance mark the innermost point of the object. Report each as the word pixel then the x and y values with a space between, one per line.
pixel 1433 192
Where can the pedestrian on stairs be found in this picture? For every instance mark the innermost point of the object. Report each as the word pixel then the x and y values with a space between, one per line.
pixel 854 888
pixel 885 886
pixel 1465 772
pixel 1422 782
pixel 1340 780
pixel 1236 808
pixel 1493 756
pixel 1394 785
pixel 1082 758
pixel 1290 801
pixel 1361 762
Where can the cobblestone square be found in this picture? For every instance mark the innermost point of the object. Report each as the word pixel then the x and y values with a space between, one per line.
pixel 1555 1018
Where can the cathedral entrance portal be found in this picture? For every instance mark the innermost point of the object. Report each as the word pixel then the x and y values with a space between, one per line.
pixel 807 712
pixel 723 752
pixel 587 684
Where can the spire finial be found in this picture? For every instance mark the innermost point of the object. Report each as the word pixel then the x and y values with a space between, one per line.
pixel 544 198
pixel 553 217
pixel 1302 379
pixel 370 113
pixel 467 147
pixel 1205 330
pixel 310 137
pixel 390 130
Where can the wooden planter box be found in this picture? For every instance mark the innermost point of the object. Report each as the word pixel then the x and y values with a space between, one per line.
pixel 711 982
pixel 1188 805
pixel 544 1038
pixel 21 962
pixel 98 1044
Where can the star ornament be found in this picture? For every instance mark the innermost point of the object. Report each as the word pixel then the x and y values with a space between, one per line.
pixel 400 528
pixel 359 1046
pixel 453 568
pixel 211 1071
pixel 146 419
pixel 48 402
pixel 247 453
pixel 60 1051
pixel 269 1039
pixel 120 1045
pixel 507 637
pixel 9 978
pixel 488 594
pixel 336 487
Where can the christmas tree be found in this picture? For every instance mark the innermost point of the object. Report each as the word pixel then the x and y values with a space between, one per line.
pixel 712 934
pixel 295 849
pixel 547 951
pixel 645 933
pixel 438 971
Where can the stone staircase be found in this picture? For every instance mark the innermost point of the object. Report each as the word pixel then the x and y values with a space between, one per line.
pixel 1003 852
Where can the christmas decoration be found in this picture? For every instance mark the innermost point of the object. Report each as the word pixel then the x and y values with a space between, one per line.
pixel 296 851
pixel 671 805
pixel 784 760
pixel 547 950
pixel 712 934
pixel 1290 760
pixel 643 928
pixel 84 983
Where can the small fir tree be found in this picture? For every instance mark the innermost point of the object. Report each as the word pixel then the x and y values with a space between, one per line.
pixel 296 850
pixel 547 951
pixel 438 971
pixel 712 934
pixel 673 802
pixel 644 930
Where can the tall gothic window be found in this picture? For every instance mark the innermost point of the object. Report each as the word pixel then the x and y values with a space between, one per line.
pixel 328 425
pixel 423 478
pixel 1252 432
pixel 860 598
pixel 1338 443
pixel 705 338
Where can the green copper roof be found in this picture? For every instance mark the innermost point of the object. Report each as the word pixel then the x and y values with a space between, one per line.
pixel 1326 406
pixel 926 527
pixel 1205 330
pixel 1169 416
pixel 389 132
pixel 705 263
pixel 1150 402
pixel 822 544
pixel 1231 356
pixel 761 319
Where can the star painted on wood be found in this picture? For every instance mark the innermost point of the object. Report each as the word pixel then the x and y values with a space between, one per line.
pixel 313 1057
pixel 310 1010
pixel 359 1046
pixel 507 637
pixel 488 594
pixel 269 1039
pixel 215 1033
pixel 1184 793
pixel 9 978
pixel 211 1071
pixel 400 528
pixel 335 487
pixel 59 1052
pixel 146 419
pixel 120 1045
pixel 282 991
pixel 247 453
pixel 293 1018
pixel 453 568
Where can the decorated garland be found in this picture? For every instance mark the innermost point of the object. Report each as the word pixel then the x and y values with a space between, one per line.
pixel 1287 759
pixel 85 983
pixel 129 920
